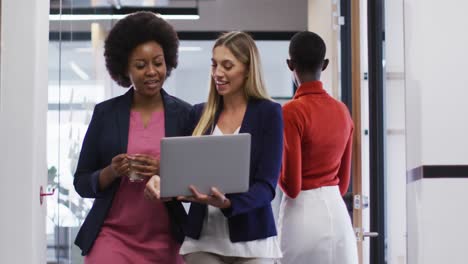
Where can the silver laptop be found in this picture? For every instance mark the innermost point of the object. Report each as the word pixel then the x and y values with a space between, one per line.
pixel 206 161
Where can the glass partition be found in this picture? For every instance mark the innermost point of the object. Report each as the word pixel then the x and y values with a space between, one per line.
pixel 76 84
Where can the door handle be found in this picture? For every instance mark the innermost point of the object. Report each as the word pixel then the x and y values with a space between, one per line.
pixel 361 234
pixel 370 234
pixel 42 194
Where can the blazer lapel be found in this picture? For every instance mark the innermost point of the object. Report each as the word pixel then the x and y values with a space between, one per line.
pixel 170 115
pixel 249 114
pixel 123 119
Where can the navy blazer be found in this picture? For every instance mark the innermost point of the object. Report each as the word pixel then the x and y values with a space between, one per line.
pixel 250 216
pixel 107 136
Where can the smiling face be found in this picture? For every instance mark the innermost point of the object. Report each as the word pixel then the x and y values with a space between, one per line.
pixel 228 73
pixel 147 69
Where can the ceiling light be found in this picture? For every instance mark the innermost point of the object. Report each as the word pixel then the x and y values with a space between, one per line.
pixel 111 13
pixel 189 48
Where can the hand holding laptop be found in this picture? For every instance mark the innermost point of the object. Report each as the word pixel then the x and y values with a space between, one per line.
pixel 216 198
pixel 153 189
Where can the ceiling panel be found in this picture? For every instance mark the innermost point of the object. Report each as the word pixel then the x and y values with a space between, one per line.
pixel 109 3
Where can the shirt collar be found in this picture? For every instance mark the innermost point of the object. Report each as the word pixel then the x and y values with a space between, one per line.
pixel 313 87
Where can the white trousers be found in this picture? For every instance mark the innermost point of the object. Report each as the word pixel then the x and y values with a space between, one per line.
pixel 315 228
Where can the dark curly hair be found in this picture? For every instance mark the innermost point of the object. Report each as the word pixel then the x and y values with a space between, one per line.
pixel 132 31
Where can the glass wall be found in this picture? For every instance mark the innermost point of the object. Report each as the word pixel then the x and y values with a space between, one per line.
pixel 74 89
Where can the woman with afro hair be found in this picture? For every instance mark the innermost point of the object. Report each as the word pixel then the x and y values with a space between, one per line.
pixel 120 152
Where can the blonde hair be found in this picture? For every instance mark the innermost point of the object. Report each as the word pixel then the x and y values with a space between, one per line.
pixel 244 49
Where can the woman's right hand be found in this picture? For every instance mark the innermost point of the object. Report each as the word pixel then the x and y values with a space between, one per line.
pixel 120 166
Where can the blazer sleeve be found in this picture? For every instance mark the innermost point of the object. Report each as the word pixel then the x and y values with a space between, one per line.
pixel 263 184
pixel 86 178
pixel 344 173
pixel 291 171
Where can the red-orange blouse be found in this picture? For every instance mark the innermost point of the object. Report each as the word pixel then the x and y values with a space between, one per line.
pixel 318 134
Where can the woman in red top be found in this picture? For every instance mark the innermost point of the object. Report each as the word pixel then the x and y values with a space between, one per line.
pixel 314 224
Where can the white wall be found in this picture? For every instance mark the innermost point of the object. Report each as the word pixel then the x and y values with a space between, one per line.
pixel 23 108
pixel 436 81
pixel 321 20
pixel 437 218
pixel 436 122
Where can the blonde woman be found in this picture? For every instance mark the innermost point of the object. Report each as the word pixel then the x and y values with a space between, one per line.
pixel 237 228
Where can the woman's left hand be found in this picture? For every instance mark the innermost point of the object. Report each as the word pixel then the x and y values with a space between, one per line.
pixel 216 198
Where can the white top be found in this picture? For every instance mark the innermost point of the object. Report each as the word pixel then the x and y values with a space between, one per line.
pixel 214 237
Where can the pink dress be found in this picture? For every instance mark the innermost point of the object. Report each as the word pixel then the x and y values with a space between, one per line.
pixel 137 230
